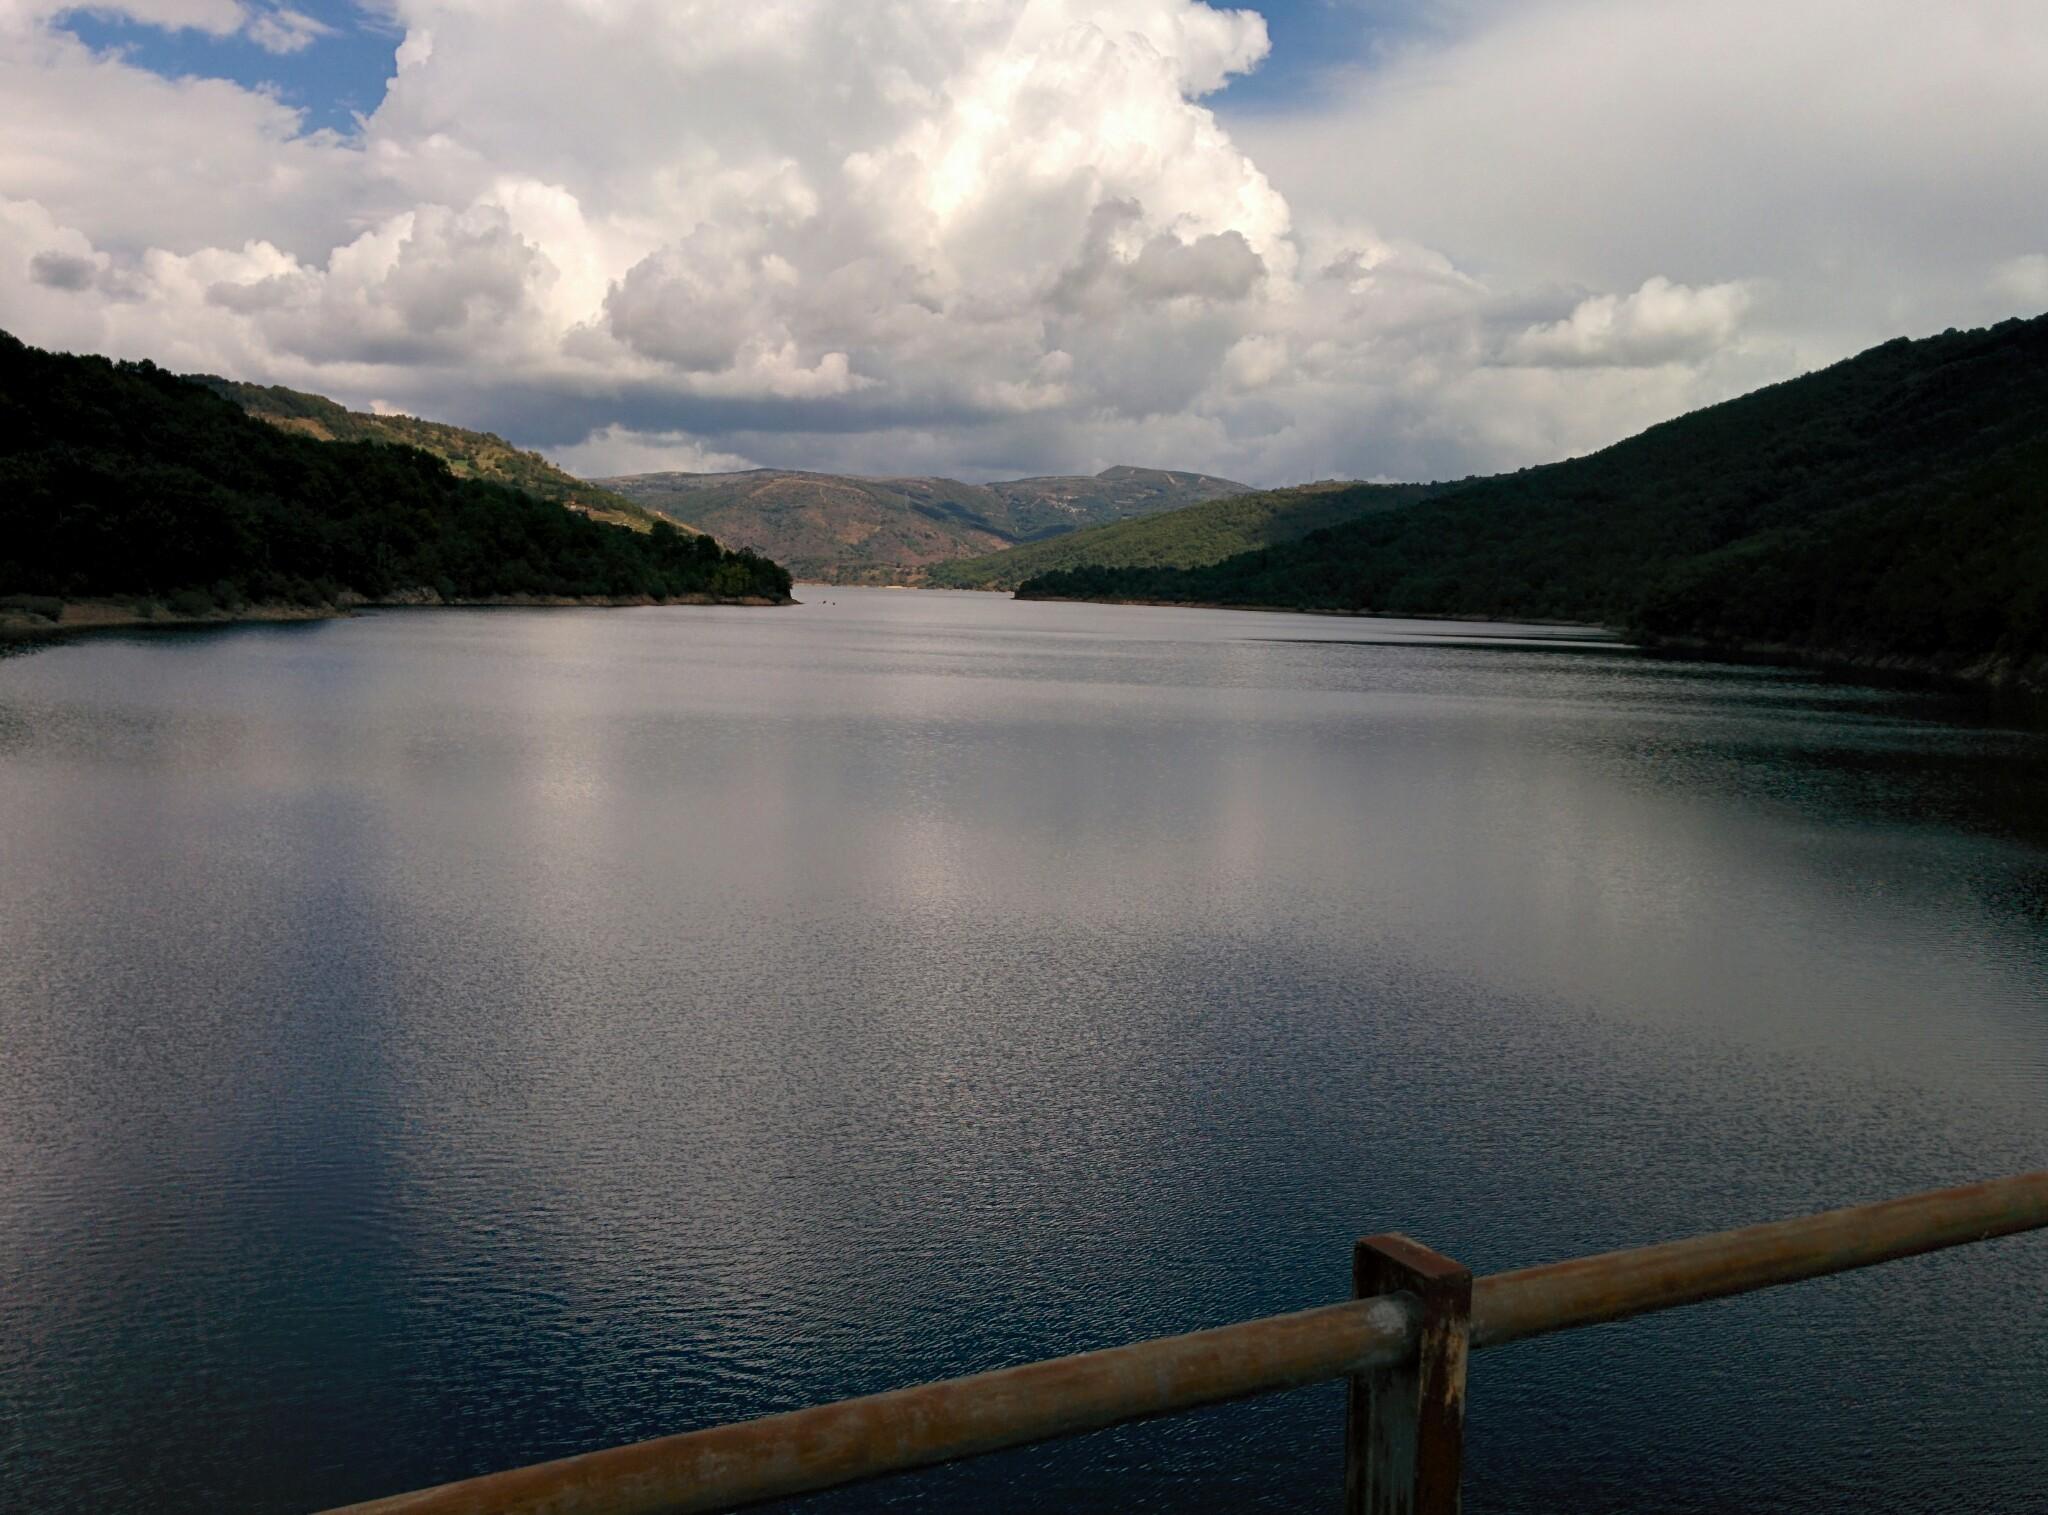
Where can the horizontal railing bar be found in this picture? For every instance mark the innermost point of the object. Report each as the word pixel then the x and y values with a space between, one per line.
pixel 1614 1285
pixel 827 1445
pixel 802 1451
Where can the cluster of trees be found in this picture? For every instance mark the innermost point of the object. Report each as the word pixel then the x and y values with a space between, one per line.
pixel 468 454
pixel 1184 538
pixel 1894 506
pixel 125 481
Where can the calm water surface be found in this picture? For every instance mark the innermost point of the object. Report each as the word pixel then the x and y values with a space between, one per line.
pixel 442 1040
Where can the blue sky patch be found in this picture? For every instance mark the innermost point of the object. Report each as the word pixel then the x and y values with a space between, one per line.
pixel 1316 40
pixel 332 74
pixel 339 72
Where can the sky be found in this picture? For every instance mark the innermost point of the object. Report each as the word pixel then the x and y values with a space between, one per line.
pixel 1311 239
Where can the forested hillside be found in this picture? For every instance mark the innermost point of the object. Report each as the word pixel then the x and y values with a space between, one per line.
pixel 124 480
pixel 1184 538
pixel 1890 509
pixel 847 529
pixel 469 454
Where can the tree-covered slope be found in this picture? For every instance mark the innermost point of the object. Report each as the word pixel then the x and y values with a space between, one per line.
pixel 1184 538
pixel 831 528
pixel 123 480
pixel 1892 508
pixel 1038 508
pixel 469 454
pixel 846 529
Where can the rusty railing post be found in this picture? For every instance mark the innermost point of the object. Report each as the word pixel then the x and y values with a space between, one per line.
pixel 1404 1427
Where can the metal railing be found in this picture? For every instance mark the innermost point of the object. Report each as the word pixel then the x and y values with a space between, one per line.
pixel 1402 1344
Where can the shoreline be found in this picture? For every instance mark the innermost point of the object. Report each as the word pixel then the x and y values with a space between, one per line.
pixel 1988 675
pixel 1619 638
pixel 117 615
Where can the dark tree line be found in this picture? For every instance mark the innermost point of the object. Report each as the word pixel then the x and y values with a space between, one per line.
pixel 123 480
pixel 1892 506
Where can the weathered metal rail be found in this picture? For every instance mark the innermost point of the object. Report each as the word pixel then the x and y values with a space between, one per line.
pixel 1402 1344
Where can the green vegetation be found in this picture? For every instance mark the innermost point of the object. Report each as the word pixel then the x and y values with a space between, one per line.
pixel 1186 538
pixel 1892 509
pixel 1036 509
pixel 469 454
pixel 826 527
pixel 849 530
pixel 41 607
pixel 125 481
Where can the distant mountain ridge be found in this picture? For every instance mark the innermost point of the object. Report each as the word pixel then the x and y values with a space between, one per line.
pixel 1188 537
pixel 469 454
pixel 847 529
pixel 1890 511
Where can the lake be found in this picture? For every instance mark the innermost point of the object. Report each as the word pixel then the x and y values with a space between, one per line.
pixel 436 1041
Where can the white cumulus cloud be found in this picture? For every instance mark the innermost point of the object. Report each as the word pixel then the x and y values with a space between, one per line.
pixel 1661 322
pixel 617 450
pixel 1017 235
pixel 275 29
pixel 286 31
pixel 219 18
